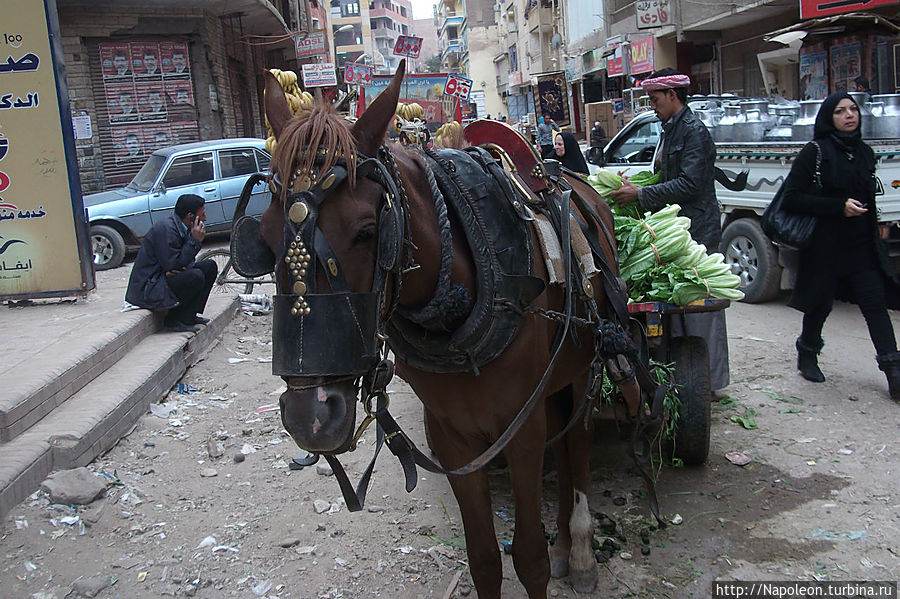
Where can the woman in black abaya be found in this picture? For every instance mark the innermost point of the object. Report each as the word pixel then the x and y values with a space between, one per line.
pixel 566 150
pixel 846 256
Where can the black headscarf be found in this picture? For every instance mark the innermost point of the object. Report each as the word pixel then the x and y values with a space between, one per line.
pixel 838 147
pixel 572 159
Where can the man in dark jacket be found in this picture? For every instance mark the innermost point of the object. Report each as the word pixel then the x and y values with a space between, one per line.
pixel 165 276
pixel 686 158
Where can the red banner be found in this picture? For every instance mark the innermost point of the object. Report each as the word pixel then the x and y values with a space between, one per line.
pixel 824 8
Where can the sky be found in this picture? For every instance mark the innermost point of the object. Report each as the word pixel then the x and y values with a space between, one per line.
pixel 422 9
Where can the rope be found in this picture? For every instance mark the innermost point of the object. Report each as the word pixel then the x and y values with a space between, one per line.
pixel 655 251
pixel 448 300
pixel 649 229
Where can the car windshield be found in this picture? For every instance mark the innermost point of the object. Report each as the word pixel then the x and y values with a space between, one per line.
pixel 145 177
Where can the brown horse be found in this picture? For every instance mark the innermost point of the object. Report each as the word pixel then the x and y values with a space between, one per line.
pixel 325 172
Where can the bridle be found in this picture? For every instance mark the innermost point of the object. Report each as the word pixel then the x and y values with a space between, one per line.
pixel 351 321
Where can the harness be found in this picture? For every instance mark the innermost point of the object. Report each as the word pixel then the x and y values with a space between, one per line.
pixel 498 234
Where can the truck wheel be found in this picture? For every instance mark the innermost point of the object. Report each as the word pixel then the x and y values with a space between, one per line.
pixel 753 258
pixel 107 246
pixel 691 360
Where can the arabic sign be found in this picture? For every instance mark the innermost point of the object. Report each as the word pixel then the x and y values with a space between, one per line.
pixel 652 13
pixel 426 89
pixel 408 45
pixel 44 242
pixel 458 86
pixel 824 8
pixel 319 75
pixel 642 56
pixel 358 74
pixel 615 62
pixel 311 44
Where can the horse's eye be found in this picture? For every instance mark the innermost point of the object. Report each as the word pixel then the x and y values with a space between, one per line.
pixel 364 236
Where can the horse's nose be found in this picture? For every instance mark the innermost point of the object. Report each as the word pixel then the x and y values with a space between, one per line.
pixel 317 419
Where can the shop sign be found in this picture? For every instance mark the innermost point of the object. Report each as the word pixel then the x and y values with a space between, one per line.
pixel 824 8
pixel 319 75
pixel 615 62
pixel 515 78
pixel 310 44
pixel 408 45
pixel 642 56
pixel 358 74
pixel 458 86
pixel 652 13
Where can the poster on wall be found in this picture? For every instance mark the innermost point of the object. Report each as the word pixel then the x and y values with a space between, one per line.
pixel 128 145
pixel 115 61
pixel 174 58
pixel 45 249
pixel 552 100
pixel 144 100
pixel 121 104
pixel 642 56
pixel 846 63
pixel 813 72
pixel 151 100
pixel 145 60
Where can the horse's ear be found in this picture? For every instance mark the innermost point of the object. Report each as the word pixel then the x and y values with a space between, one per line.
pixel 369 130
pixel 277 110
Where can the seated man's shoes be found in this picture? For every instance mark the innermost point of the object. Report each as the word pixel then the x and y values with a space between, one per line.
pixel 176 326
pixel 200 320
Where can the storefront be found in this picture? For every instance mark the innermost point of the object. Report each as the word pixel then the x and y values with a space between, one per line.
pixel 138 82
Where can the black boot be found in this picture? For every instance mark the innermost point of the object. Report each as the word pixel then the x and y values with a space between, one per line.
pixel 808 363
pixel 890 364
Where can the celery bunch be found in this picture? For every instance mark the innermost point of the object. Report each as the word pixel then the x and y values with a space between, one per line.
pixel 661 262
pixel 605 182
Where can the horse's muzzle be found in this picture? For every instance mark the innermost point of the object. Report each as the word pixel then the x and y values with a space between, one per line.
pixel 320 419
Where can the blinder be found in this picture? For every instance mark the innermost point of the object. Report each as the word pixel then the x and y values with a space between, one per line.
pixel 331 333
pixel 250 256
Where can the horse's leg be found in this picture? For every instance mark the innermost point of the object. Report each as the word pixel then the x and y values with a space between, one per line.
pixel 572 553
pixel 559 406
pixel 474 498
pixel 525 454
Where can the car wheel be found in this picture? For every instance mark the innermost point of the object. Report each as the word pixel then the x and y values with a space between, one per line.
pixel 753 258
pixel 107 246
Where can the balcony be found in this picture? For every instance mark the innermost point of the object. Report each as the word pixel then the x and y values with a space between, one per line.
pixel 457 21
pixel 540 19
pixel 384 32
pixel 450 50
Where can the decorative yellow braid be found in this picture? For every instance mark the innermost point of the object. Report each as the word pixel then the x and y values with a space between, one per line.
pixel 297 100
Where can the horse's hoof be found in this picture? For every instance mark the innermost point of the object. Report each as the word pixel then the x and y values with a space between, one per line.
pixel 583 581
pixel 559 567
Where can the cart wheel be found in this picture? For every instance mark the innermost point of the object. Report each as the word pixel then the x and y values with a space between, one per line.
pixel 691 360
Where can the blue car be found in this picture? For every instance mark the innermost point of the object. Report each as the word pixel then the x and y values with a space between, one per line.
pixel 215 170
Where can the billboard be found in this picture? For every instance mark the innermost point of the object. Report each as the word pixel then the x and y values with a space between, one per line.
pixel 44 242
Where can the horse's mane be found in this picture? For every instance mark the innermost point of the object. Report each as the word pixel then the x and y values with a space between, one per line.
pixel 304 135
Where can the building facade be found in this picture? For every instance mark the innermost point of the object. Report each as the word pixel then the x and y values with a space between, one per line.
pixel 144 77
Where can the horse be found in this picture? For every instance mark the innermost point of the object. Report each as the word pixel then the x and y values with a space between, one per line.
pixel 357 237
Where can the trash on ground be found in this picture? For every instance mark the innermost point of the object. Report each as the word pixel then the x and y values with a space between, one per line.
pixel 738 458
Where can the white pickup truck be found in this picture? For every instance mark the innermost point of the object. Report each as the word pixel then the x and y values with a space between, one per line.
pixel 765 268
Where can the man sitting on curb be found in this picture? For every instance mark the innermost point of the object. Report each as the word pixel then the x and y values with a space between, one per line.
pixel 165 276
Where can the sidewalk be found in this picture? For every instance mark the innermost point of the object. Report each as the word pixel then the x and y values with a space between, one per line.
pixel 79 374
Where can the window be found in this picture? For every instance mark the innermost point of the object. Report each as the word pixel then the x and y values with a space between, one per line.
pixel 513 59
pixel 262 159
pixel 190 170
pixel 237 162
pixel 638 146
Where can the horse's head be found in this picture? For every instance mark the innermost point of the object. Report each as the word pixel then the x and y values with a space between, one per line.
pixel 335 226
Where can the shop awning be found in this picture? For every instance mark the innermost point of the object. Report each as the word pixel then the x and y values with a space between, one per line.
pixel 832 25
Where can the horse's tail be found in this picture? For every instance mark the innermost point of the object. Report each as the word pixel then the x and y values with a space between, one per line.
pixel 739 182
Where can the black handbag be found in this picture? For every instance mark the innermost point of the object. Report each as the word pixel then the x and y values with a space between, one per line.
pixel 788 228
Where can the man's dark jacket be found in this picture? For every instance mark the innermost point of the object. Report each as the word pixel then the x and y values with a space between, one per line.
pixel 688 157
pixel 168 246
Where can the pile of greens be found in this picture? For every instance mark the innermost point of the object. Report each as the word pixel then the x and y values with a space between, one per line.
pixel 657 256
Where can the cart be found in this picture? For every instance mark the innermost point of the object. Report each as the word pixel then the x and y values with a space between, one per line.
pixel 691 372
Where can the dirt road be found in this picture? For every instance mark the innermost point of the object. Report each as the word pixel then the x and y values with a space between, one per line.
pixel 819 499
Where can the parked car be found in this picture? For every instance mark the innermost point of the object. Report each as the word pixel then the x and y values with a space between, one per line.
pixel 215 170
